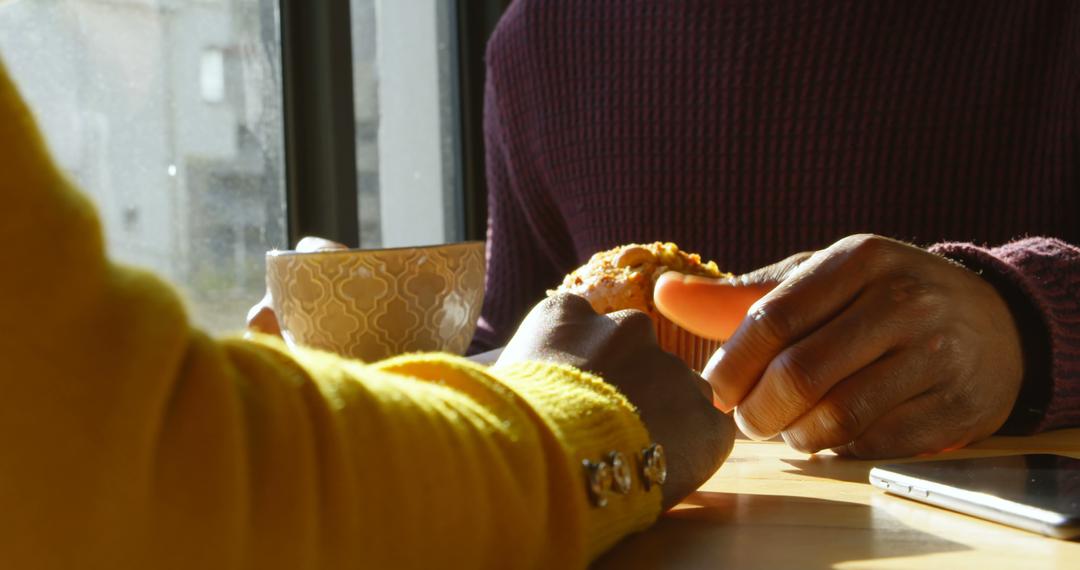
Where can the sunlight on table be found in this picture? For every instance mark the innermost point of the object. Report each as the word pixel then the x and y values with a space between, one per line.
pixel 772 507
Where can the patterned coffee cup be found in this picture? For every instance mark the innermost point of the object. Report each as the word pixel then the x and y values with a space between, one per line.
pixel 373 304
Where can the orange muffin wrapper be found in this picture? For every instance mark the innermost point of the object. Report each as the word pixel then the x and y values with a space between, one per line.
pixel 694 350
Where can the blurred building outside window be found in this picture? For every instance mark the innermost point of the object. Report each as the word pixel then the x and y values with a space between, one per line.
pixel 169 114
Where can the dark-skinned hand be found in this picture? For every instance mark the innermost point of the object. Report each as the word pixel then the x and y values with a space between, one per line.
pixel 621 348
pixel 871 347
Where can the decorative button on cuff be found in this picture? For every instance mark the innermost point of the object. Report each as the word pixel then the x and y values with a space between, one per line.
pixel 615 474
pixel 653 466
pixel 598 478
pixel 621 473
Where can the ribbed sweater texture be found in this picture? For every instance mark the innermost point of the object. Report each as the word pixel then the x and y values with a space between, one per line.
pixel 132 440
pixel 749 131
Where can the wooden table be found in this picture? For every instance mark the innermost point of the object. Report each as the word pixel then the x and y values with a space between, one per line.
pixel 772 507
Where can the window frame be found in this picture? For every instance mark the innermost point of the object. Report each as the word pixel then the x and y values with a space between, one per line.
pixel 321 190
pixel 320 149
pixel 476 20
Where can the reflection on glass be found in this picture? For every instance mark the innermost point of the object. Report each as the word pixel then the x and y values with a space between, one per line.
pixel 168 113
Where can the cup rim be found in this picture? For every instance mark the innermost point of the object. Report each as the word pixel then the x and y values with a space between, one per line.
pixel 356 250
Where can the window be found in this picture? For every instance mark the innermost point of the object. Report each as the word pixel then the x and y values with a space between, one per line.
pixel 170 114
pixel 405 101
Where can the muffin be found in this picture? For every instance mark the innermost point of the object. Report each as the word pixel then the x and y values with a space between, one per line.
pixel 624 278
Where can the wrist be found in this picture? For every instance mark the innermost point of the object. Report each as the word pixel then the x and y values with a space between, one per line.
pixel 590 420
pixel 1032 332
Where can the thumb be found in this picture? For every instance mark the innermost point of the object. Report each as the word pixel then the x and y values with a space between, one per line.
pixel 261 318
pixel 312 244
pixel 713 308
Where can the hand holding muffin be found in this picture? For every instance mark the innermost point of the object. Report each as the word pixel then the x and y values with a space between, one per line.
pixel 620 348
pixel 625 277
pixel 871 347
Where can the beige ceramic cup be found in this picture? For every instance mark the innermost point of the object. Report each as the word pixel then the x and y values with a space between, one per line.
pixel 373 304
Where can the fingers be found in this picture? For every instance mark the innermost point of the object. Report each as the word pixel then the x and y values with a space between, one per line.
pixel 620 348
pixel 847 411
pixel 823 286
pixel 558 311
pixel 796 380
pixel 553 330
pixel 261 317
pixel 634 324
pixel 711 308
pixel 922 425
pixel 705 388
pixel 566 302
pixel 311 244
pixel 777 272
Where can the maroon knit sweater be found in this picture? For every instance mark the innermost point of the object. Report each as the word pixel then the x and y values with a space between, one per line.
pixel 750 130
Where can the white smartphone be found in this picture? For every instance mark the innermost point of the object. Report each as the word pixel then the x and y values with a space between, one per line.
pixel 1036 492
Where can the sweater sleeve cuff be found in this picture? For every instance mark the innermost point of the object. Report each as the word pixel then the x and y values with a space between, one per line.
pixel 1029 411
pixel 589 419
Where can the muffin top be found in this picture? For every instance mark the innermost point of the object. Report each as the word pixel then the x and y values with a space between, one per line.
pixel 624 277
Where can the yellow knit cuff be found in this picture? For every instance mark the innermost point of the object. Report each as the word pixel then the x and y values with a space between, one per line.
pixel 590 419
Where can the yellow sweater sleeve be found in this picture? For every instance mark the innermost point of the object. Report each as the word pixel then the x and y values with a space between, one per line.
pixel 130 440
